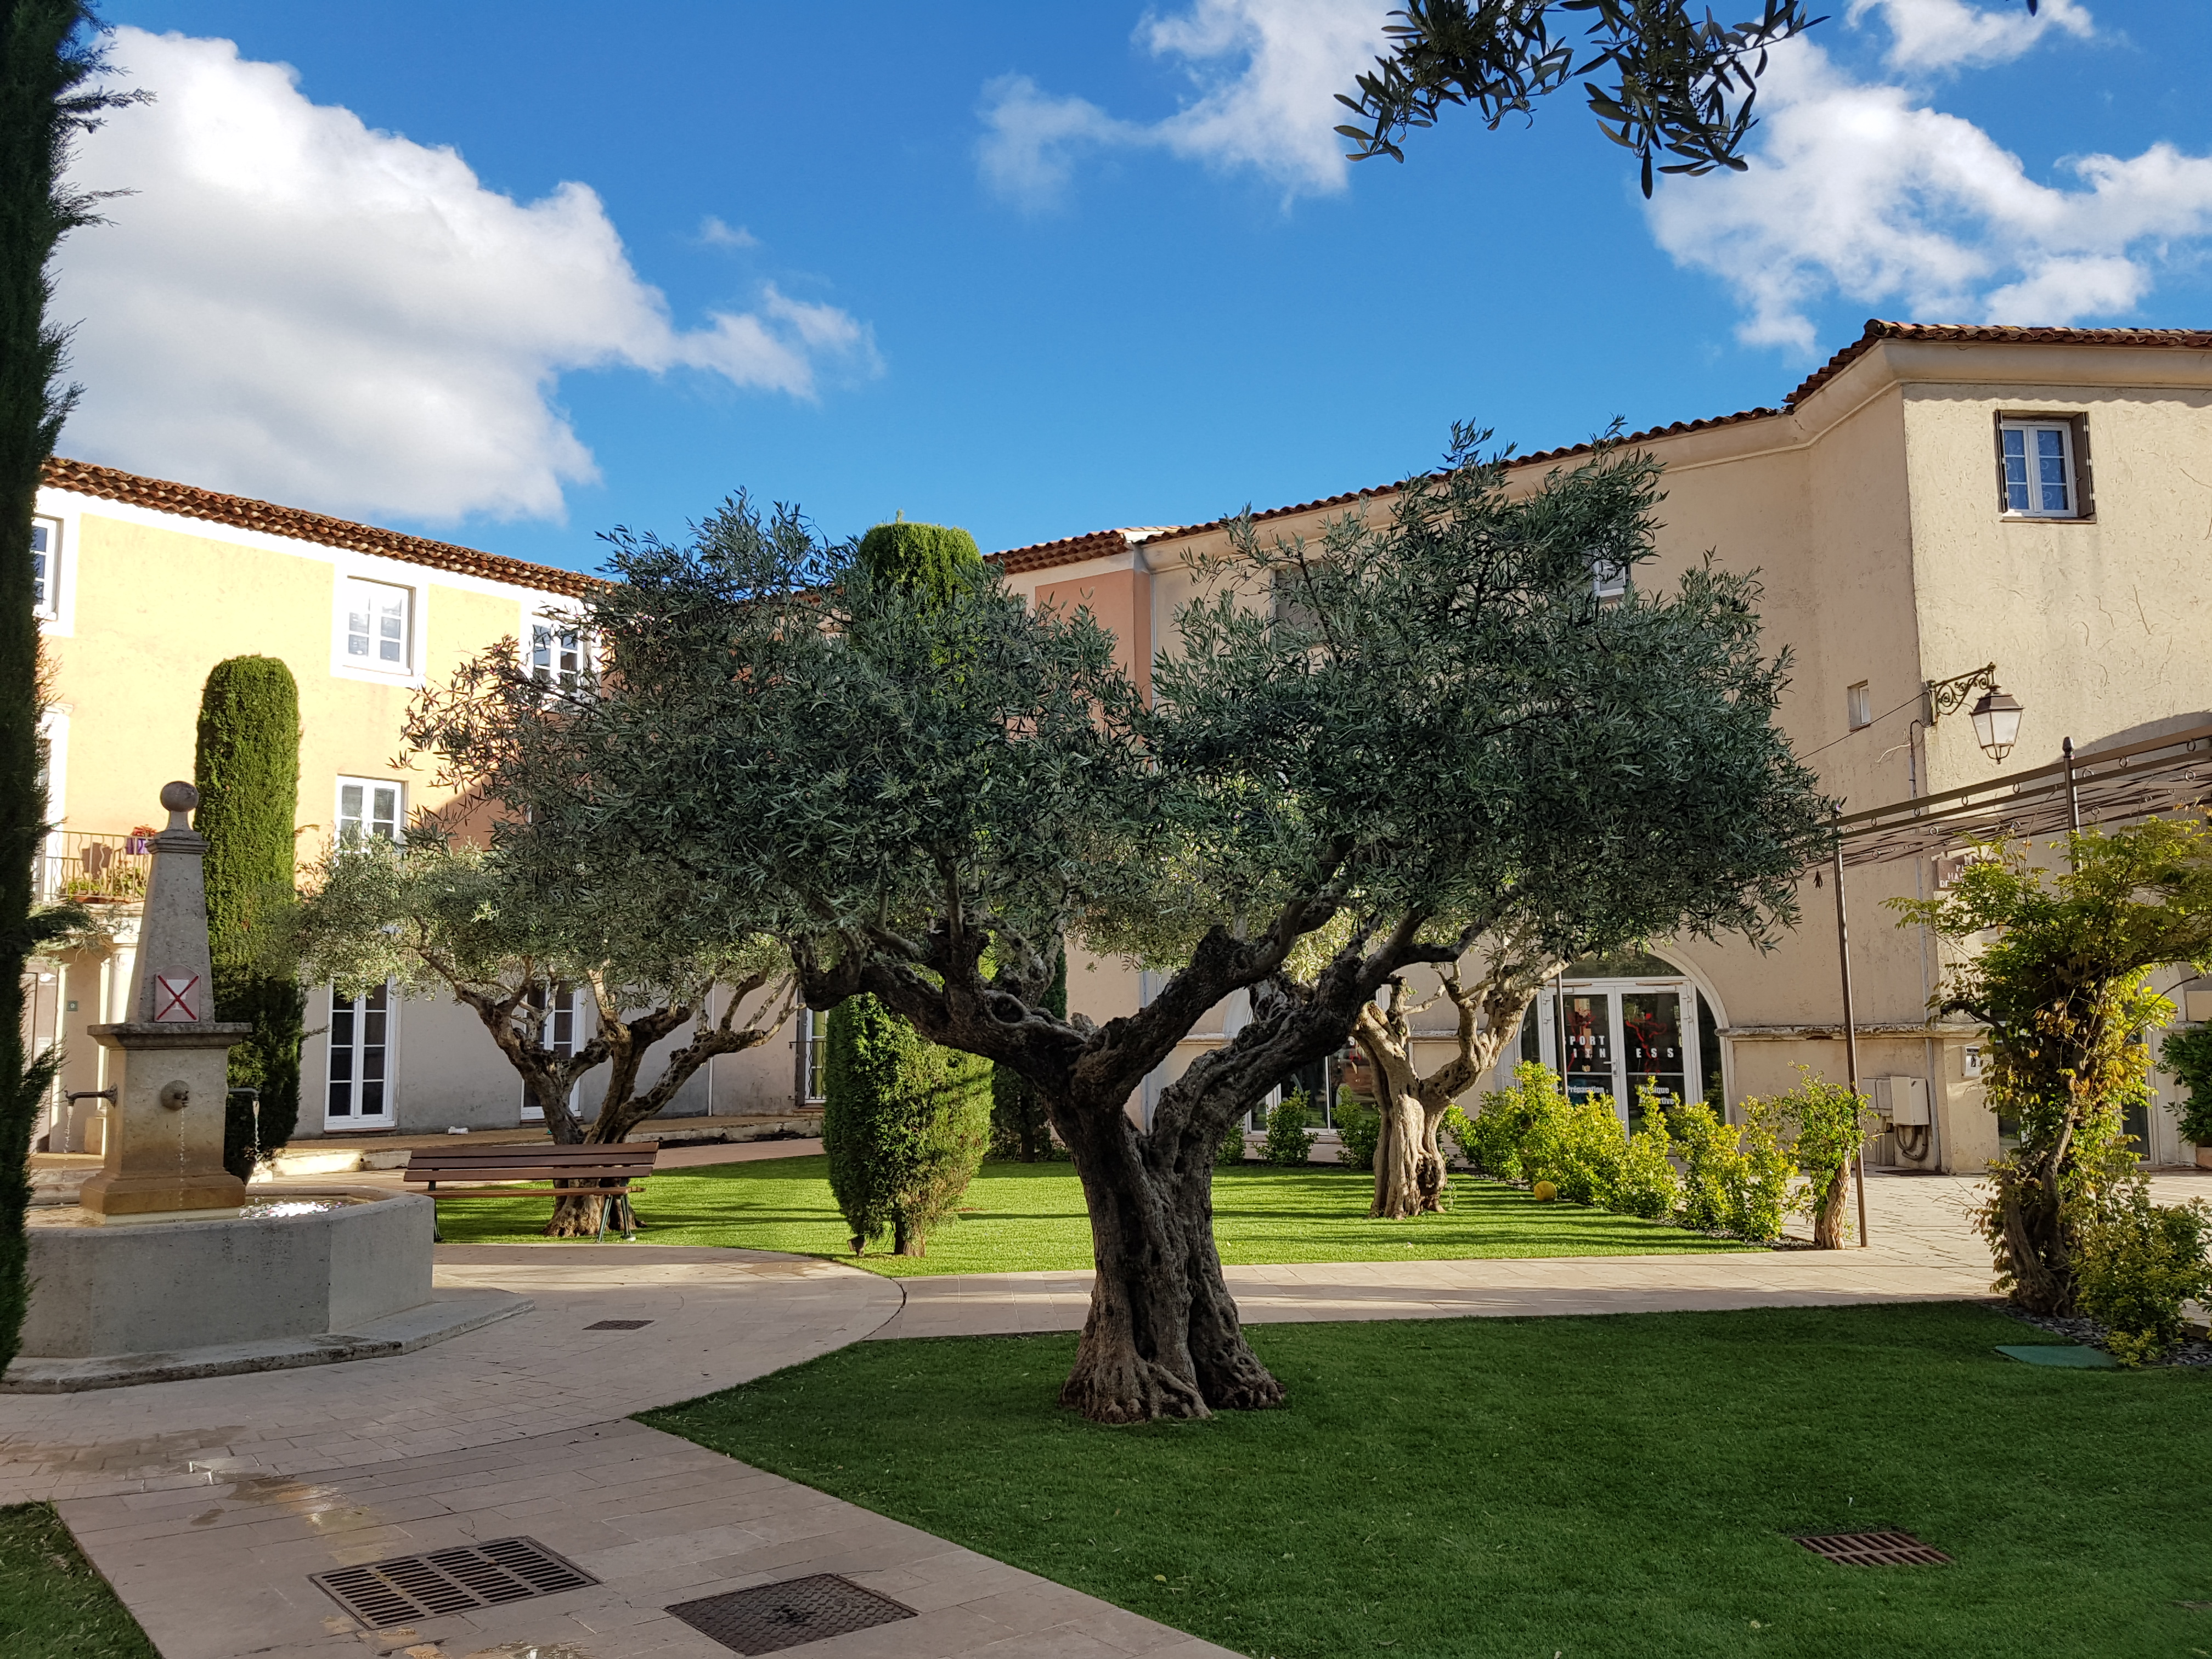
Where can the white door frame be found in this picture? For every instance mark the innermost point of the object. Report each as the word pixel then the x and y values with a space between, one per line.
pixel 356 1119
pixel 1684 987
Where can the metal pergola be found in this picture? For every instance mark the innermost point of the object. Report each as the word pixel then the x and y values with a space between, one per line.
pixel 2139 780
pixel 2135 779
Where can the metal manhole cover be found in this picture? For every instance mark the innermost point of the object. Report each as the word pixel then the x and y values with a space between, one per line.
pixel 619 1325
pixel 1875 1549
pixel 440 1582
pixel 772 1617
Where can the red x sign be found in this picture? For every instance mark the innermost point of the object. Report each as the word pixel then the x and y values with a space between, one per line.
pixel 174 998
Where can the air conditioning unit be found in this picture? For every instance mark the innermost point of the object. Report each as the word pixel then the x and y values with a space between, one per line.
pixel 1901 1101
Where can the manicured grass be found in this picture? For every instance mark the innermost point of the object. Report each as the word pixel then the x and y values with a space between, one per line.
pixel 1030 1216
pixel 53 1604
pixel 1625 1486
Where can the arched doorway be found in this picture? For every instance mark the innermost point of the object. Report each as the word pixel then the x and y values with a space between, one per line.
pixel 1614 1025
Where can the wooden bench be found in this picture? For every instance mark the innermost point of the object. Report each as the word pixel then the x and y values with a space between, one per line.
pixel 491 1171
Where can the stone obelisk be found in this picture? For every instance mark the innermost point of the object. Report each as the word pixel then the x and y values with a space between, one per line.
pixel 165 1127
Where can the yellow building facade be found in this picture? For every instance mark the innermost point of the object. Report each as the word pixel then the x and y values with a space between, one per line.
pixel 145 584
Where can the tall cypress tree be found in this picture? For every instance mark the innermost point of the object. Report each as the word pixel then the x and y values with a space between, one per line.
pixel 247 767
pixel 46 53
pixel 905 1124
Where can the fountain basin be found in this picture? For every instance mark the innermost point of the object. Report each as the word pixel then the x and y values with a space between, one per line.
pixel 300 1278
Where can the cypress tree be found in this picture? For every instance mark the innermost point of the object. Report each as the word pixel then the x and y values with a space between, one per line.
pixel 924 557
pixel 904 1122
pixel 1019 1128
pixel 45 59
pixel 247 768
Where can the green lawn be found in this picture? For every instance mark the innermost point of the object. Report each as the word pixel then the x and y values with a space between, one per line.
pixel 1625 1486
pixel 53 1604
pixel 1030 1216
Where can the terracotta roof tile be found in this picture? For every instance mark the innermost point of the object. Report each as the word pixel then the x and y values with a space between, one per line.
pixel 1045 554
pixel 295 524
pixel 2195 339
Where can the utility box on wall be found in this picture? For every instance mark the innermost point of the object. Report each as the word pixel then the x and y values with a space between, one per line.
pixel 1902 1101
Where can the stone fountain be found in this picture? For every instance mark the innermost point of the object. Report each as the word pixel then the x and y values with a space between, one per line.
pixel 164 1268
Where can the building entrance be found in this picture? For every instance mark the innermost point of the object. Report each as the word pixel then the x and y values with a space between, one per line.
pixel 1615 1025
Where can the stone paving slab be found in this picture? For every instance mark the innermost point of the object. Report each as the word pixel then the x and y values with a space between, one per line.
pixel 719 1317
pixel 223 1571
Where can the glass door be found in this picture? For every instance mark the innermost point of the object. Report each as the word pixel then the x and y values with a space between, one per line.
pixel 1589 1030
pixel 1652 1046
pixel 562 1024
pixel 359 1094
pixel 1613 1038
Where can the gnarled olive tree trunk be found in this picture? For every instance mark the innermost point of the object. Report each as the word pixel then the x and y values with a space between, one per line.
pixel 1163 1338
pixel 1409 1163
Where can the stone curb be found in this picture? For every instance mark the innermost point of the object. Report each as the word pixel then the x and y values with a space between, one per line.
pixel 448 1313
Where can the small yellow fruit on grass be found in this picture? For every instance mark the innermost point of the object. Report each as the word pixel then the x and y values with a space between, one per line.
pixel 1544 1192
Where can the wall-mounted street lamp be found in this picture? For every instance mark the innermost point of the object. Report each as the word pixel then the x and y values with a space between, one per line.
pixel 1996 715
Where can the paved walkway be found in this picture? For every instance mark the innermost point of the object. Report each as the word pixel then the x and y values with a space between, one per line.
pixel 208 1503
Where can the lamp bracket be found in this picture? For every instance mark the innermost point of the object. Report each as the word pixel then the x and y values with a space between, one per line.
pixel 1948 697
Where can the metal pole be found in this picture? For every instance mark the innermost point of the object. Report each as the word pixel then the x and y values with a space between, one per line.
pixel 2073 797
pixel 1850 1023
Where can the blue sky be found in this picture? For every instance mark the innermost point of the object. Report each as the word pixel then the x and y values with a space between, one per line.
pixel 1031 270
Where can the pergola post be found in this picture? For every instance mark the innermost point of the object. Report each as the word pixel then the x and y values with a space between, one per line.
pixel 1850 1022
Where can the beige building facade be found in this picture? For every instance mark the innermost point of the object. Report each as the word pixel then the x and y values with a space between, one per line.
pixel 1933 501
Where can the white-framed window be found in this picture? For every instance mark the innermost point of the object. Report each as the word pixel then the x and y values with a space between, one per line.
pixel 371 806
pixel 46 569
pixel 1608 579
pixel 814 1048
pixel 556 654
pixel 564 1025
pixel 2041 467
pixel 376 626
pixel 1858 705
pixel 358 1092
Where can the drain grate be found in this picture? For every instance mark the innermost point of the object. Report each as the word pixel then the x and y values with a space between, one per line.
pixel 429 1586
pixel 1876 1549
pixel 619 1325
pixel 774 1617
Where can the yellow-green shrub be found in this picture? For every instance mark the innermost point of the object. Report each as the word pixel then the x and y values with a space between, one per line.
pixel 2136 1264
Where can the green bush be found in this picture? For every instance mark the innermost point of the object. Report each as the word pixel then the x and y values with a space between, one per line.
pixel 246 768
pixel 1825 1124
pixel 2138 1262
pixel 1289 1140
pixel 2188 1054
pixel 1736 1178
pixel 1647 1184
pixel 1359 1129
pixel 904 1122
pixel 1231 1152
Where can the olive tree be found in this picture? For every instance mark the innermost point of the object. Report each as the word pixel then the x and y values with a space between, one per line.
pixel 1682 83
pixel 442 917
pixel 1420 734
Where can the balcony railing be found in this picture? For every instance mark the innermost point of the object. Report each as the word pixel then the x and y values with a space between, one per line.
pixel 95 869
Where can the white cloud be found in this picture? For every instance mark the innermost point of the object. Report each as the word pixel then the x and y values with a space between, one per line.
pixel 296 306
pixel 1936 35
pixel 714 233
pixel 1864 191
pixel 1264 75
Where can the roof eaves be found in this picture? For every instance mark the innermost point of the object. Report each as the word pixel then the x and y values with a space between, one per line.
pixel 296 523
